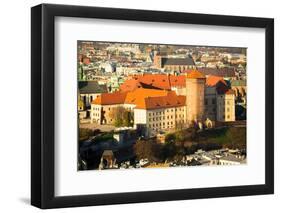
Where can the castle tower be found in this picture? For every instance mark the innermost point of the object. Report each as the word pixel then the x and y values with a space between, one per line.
pixel 195 89
pixel 157 60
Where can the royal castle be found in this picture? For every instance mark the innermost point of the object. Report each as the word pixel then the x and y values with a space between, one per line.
pixel 161 103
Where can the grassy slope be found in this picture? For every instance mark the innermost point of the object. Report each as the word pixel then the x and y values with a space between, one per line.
pixel 230 137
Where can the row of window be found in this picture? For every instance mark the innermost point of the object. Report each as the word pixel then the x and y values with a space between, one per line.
pixel 168 125
pixel 162 112
pixel 160 124
pixel 108 108
pixel 84 98
pixel 95 108
pixel 168 117
pixel 165 123
pixel 96 114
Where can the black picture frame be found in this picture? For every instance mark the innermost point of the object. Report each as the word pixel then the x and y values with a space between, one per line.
pixel 43 105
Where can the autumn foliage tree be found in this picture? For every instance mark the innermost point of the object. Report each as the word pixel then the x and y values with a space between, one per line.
pixel 149 149
pixel 122 117
pixel 143 149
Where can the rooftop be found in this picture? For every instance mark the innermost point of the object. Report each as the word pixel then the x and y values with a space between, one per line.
pixel 150 81
pixel 223 72
pixel 143 99
pixel 170 100
pixel 219 83
pixel 154 91
pixel 177 61
pixel 110 98
pixel 87 87
pixel 138 96
pixel 213 80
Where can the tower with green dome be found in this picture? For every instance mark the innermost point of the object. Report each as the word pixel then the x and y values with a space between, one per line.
pixel 81 74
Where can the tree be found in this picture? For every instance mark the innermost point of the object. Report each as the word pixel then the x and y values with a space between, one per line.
pixel 116 115
pixel 180 136
pixel 191 133
pixel 128 118
pixel 143 149
pixel 149 149
pixel 121 117
pixel 118 122
pixel 170 137
pixel 169 150
pixel 236 137
pixel 179 126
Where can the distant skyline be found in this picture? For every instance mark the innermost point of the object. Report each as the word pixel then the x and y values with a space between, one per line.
pixel 233 48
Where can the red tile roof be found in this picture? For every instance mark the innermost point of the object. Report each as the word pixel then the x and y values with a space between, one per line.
pixel 177 81
pixel 219 83
pixel 171 100
pixel 137 97
pixel 213 80
pixel 159 81
pixel 130 85
pixel 142 99
pixel 110 98
pixel 137 91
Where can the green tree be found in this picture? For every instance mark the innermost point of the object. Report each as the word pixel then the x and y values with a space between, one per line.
pixel 180 136
pixel 118 122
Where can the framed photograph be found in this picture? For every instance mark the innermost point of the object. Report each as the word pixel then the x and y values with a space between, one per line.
pixel 139 106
